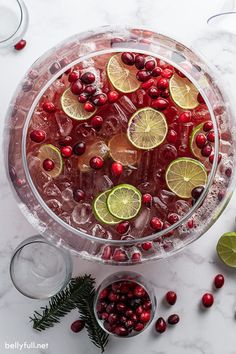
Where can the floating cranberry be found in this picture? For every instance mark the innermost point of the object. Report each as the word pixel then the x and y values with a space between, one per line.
pixel 77 326
pixel 119 255
pixel 171 136
pixel 211 136
pixel 160 325
pixel 96 162
pixel 160 104
pixel 153 92
pixel 173 319
pixel 83 97
pixel 89 107
pixel 207 126
pixel 90 90
pixel 54 67
pixel 139 61
pixel 49 107
pixel 97 122
pixel 139 291
pixel 156 223
pixel 156 71
pixel 88 78
pixel 165 93
pixel 211 158
pixel 78 194
pixel 167 73
pixel 206 150
pixel 123 227
pixel 64 141
pixel 173 218
pixel 139 327
pixel 77 87
pixel 147 199
pixel 48 165
pixel 200 98
pixel 146 246
pixel 74 76
pixel 201 140
pixel 185 117
pixel 162 83
pixel 143 75
pixel 20 45
pixel 171 297
pixel 207 300
pixel 100 99
pixel 121 331
pixel 112 96
pixel 196 192
pixel 117 169
pixel 66 151
pixel 136 257
pixel 150 64
pixel 147 84
pixel 219 281
pixel 228 172
pixel 37 136
pixel 128 58
pixel 79 148
pixel 145 316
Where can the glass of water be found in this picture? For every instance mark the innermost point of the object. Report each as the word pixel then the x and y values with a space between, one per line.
pixel 39 269
pixel 14 21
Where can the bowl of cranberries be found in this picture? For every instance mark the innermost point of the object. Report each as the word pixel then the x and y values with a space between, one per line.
pixel 125 304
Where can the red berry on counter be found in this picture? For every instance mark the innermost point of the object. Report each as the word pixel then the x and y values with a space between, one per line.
pixel 96 162
pixel 78 194
pixel 160 325
pixel 66 151
pixel 88 78
pixel 208 126
pixel 201 140
pixel 77 326
pixel 128 58
pixel 147 199
pixel 171 297
pixel 173 319
pixel 97 122
pixel 117 169
pixel 156 223
pixel 49 107
pixel 112 96
pixel 20 45
pixel 207 300
pixel 123 227
pixel 219 281
pixel 37 136
pixel 48 165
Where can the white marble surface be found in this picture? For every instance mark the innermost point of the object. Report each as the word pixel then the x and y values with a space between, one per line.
pixel 190 272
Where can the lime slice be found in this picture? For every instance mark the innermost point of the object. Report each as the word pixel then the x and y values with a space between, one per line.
pixel 123 151
pixel 183 92
pixel 124 201
pixel 73 108
pixel 122 77
pixel 49 151
pixel 226 249
pixel 183 175
pixel 147 128
pixel 101 211
pixel 193 146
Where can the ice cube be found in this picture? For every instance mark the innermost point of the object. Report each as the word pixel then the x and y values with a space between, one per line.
pixel 54 205
pixel 167 197
pixel 67 194
pixel 65 217
pixel 65 124
pixel 103 183
pixel 51 190
pixel 82 213
pixel 127 105
pixel 182 207
pixel 85 131
pixel 99 231
pixel 41 180
pixel 141 222
pixel 111 126
pixel 161 207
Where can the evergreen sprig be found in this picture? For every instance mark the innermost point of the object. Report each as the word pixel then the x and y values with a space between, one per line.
pixel 79 294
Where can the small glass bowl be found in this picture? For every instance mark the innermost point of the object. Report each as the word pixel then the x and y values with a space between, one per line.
pixel 125 304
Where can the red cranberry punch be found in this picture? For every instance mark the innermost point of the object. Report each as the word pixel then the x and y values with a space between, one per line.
pixel 120 146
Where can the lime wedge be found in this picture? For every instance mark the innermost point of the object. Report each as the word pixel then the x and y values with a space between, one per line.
pixel 183 175
pixel 123 151
pixel 122 77
pixel 226 249
pixel 147 128
pixel 72 107
pixel 183 92
pixel 193 146
pixel 49 151
pixel 124 201
pixel 101 211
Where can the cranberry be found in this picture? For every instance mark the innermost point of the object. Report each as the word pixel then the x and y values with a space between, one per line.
pixel 147 199
pixel 171 297
pixel 77 326
pixel 147 305
pixel 82 98
pixel 201 140
pixel 49 107
pixel 112 96
pixel 162 83
pixel 79 148
pixel 171 136
pixel 64 141
pixel 153 92
pixel 64 62
pixel 113 318
pixel 48 165
pixel 211 136
pixel 54 67
pixel 219 281
pixel 143 75
pixel 20 45
pixel 150 64
pixel 136 257
pixel 112 296
pixel 165 93
pixel 228 172
pixel 37 136
pixel 139 291
pixel 211 158
pixel 90 90
pixel 129 313
pixel 167 73
pixel 173 218
pixel 160 325
pixel 77 87
pixel 139 61
pixel 166 225
pixel 200 98
pixel 88 78
pixel 207 300
pixel 145 316
pixel 123 227
pixel 160 104
pixel 104 316
pixel 146 246
pixel 139 310
pixel 156 223
pixel 96 162
pixel 156 71
pixel 123 319
pixel 196 192
pixel 119 255
pixel 97 122
pixel 173 319
pixel 121 331
pixel 78 194
pixel 171 113
pixel 117 169
pixel 129 324
pixel 128 58
pixel 100 99
pixel 207 126
pixel 89 107
pixel 121 307
pixel 134 318
pixel 206 150
pixel 103 294
pixel 139 327
pixel 190 224
pixel 109 327
pixel 66 151
pixel 185 117
pixel 111 307
pixel 74 76
pixel 147 84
